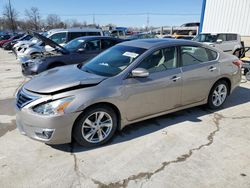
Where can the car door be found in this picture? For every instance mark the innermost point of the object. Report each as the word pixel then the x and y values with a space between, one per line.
pixel 225 45
pixel 199 68
pixel 160 91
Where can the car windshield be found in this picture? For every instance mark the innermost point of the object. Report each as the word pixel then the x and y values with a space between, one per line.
pixel 113 61
pixel 74 44
pixel 205 38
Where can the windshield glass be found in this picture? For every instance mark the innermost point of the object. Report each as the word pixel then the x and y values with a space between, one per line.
pixel 74 44
pixel 113 61
pixel 205 38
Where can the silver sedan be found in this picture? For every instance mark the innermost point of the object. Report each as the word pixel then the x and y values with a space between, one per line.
pixel 127 83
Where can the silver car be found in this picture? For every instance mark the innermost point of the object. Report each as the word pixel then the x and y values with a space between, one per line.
pixel 127 83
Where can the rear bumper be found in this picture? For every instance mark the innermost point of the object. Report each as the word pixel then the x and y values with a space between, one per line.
pixel 47 129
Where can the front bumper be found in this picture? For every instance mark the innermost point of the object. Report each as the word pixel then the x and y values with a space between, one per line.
pixel 30 70
pixel 57 128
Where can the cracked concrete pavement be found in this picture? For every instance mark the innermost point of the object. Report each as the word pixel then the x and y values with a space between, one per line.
pixel 191 148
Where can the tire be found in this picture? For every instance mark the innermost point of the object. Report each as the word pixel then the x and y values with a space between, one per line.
pixel 82 130
pixel 246 71
pixel 216 101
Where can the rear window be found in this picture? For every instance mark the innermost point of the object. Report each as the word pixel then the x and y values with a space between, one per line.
pixel 73 35
pixel 191 55
pixel 93 33
pixel 212 55
pixel 231 37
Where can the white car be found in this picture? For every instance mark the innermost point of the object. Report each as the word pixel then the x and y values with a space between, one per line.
pixel 227 42
pixel 60 36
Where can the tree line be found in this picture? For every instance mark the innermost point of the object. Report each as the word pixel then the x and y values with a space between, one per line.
pixel 33 21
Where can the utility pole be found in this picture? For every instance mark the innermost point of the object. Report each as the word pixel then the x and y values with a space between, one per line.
pixel 93 19
pixel 147 21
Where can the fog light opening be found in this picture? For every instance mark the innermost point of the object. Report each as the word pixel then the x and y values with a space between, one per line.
pixel 45 133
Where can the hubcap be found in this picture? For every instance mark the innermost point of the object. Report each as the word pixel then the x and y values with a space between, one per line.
pixel 219 95
pixel 97 127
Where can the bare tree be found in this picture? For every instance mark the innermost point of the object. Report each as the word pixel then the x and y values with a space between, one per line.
pixel 54 21
pixel 33 18
pixel 74 23
pixel 10 16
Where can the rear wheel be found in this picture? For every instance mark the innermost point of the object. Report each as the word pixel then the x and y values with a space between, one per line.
pixel 218 94
pixel 95 126
pixel 246 70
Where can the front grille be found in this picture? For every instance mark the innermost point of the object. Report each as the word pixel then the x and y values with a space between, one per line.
pixel 23 99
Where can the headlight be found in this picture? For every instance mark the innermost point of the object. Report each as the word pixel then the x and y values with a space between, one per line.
pixel 31 63
pixel 54 107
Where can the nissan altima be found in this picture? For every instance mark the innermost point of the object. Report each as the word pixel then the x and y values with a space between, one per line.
pixel 127 83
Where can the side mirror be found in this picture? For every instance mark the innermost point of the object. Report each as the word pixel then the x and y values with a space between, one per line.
pixel 219 41
pixel 139 73
pixel 81 50
pixel 248 76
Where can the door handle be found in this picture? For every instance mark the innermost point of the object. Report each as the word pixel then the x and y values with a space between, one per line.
pixel 211 69
pixel 175 78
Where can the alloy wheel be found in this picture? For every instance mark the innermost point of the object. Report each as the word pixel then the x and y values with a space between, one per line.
pixel 97 127
pixel 219 95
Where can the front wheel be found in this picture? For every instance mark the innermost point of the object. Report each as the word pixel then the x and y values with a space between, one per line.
pixel 218 95
pixel 95 126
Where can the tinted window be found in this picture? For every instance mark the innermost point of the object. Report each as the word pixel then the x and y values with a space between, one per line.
pixel 212 55
pixel 160 60
pixel 193 55
pixel 106 43
pixel 93 45
pixel 73 45
pixel 73 35
pixel 222 37
pixel 59 37
pixel 231 37
pixel 205 38
pixel 93 33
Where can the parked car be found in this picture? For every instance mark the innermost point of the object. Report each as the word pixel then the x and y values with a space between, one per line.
pixel 130 82
pixel 4 37
pixel 9 45
pixel 186 37
pixel 2 42
pixel 76 51
pixel 141 36
pixel 186 29
pixel 60 36
pixel 227 42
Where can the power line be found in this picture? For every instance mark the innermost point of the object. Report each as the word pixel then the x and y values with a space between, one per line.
pixel 130 14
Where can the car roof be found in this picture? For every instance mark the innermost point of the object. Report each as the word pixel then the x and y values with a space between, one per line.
pixel 74 30
pixel 152 43
pixel 97 37
pixel 216 33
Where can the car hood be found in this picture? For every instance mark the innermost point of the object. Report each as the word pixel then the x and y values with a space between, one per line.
pixel 62 79
pixel 209 43
pixel 49 42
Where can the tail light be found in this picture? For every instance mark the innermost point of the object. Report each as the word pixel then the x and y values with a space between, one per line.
pixel 238 63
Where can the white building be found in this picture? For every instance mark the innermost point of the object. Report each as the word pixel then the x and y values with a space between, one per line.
pixel 226 16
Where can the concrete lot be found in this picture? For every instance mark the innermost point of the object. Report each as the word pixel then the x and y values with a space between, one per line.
pixel 192 148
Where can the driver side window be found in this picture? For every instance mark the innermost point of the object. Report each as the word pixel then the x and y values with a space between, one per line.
pixel 160 60
pixel 93 45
